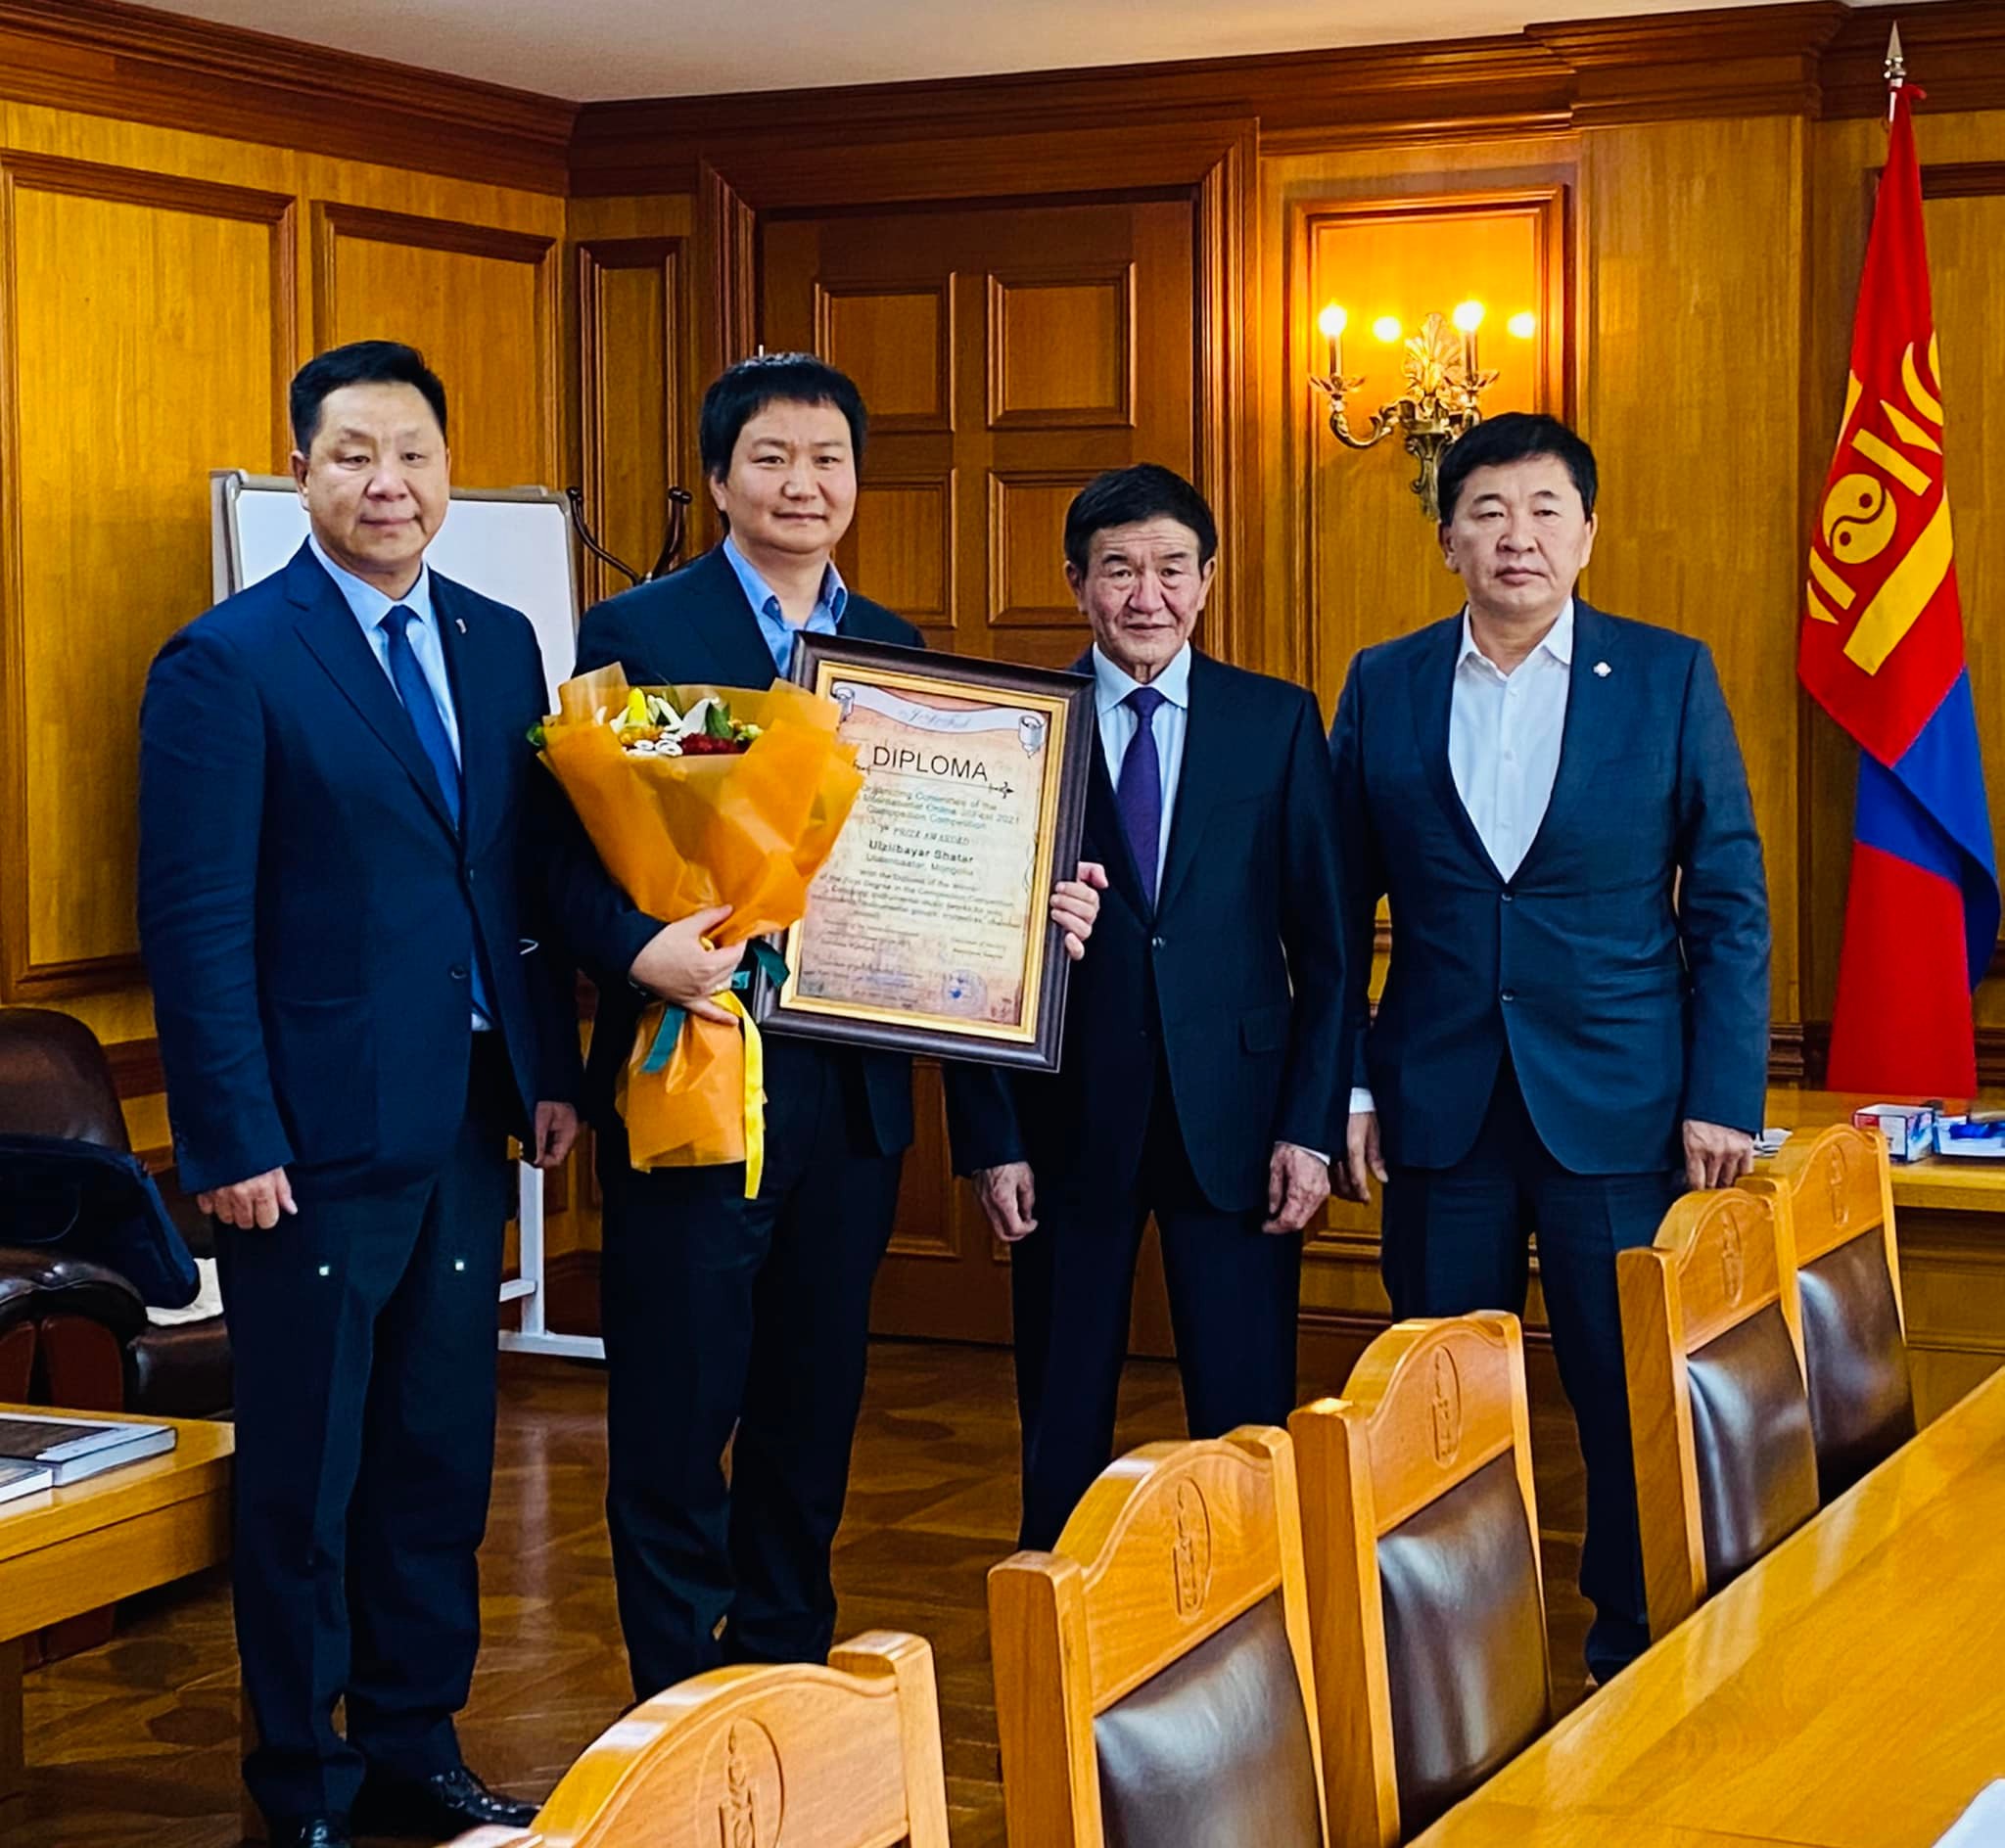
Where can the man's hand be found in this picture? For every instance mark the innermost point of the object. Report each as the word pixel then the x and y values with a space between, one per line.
pixel 680 967
pixel 1076 903
pixel 1008 1195
pixel 1297 1184
pixel 1717 1156
pixel 256 1202
pixel 556 1130
pixel 1362 1158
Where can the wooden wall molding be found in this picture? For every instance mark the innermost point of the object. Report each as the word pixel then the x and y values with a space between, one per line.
pixel 335 223
pixel 1812 58
pixel 603 372
pixel 105 57
pixel 21 977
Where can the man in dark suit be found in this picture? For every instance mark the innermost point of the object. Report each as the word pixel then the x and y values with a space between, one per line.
pixel 1575 1021
pixel 354 1016
pixel 1200 1069
pixel 723 1313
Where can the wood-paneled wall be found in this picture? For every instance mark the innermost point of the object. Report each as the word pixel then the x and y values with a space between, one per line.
pixel 1712 178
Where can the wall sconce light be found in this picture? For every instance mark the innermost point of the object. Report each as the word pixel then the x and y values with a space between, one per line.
pixel 1444 386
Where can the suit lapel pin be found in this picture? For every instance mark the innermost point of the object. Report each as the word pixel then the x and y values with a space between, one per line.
pixel 1601 670
pixel 459 622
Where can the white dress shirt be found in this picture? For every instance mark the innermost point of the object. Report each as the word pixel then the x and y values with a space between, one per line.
pixel 1503 734
pixel 1171 723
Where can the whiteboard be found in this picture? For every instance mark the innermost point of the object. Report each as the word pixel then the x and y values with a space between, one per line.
pixel 514 544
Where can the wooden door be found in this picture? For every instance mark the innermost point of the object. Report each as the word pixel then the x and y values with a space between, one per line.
pixel 1008 355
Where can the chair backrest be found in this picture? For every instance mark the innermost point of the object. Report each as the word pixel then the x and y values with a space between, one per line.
pixel 1426 1603
pixel 1833 1193
pixel 55 1081
pixel 1719 1417
pixel 846 1756
pixel 1152 1675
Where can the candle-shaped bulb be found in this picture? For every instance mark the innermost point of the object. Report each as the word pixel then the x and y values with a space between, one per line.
pixel 1522 326
pixel 1330 323
pixel 1386 328
pixel 1468 317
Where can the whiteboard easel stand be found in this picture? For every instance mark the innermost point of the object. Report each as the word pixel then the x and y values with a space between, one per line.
pixel 531 1288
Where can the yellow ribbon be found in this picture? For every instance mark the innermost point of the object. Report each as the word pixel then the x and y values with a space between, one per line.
pixel 755 1094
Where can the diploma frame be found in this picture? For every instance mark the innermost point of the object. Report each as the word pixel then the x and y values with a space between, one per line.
pixel 1065 703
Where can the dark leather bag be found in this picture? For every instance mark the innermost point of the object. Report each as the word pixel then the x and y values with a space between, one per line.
pixel 96 1203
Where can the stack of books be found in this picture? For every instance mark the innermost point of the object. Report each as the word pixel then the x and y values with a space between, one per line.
pixel 52 1450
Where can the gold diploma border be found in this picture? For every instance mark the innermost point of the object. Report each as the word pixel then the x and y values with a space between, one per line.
pixel 1056 711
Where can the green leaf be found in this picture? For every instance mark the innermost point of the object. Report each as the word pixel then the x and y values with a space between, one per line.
pixel 717 722
pixel 536 735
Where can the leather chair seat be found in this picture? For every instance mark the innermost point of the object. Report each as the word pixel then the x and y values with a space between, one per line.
pixel 1862 1405
pixel 1751 1429
pixel 183 1371
pixel 1212 1752
pixel 1465 1641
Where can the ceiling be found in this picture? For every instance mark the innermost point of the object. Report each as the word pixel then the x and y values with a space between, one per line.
pixel 596 50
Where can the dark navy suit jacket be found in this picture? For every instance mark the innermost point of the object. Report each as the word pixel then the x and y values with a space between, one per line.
pixel 1236 972
pixel 695 627
pixel 1624 964
pixel 307 910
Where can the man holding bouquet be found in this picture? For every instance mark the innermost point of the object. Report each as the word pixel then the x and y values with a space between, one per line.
pixel 725 1313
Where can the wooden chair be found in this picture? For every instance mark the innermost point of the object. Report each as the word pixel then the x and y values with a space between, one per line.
pixel 1427 1605
pixel 1834 1194
pixel 1152 1675
pixel 846 1756
pixel 1719 1417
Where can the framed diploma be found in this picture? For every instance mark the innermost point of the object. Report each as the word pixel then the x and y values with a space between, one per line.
pixel 928 928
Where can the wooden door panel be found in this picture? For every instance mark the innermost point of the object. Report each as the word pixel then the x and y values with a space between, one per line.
pixel 1008 355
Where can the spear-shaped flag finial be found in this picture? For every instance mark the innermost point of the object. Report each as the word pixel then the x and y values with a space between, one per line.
pixel 1896 68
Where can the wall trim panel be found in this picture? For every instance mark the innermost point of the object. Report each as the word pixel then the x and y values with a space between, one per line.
pixel 335 222
pixel 22 977
pixel 103 57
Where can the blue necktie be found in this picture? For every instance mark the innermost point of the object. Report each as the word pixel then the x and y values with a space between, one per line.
pixel 415 691
pixel 1140 793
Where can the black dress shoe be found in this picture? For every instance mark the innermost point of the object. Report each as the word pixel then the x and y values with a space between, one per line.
pixel 436 1808
pixel 311 1831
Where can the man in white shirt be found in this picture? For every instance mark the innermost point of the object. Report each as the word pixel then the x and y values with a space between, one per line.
pixel 1574 1024
pixel 1200 1071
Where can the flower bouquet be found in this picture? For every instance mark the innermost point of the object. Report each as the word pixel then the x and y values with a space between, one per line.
pixel 697 797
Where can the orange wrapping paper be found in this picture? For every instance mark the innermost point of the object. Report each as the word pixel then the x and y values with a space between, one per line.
pixel 687 834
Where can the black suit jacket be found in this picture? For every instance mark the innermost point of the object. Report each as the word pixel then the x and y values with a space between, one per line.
pixel 694 628
pixel 307 909
pixel 1236 972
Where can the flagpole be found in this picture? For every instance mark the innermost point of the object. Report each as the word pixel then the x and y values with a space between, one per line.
pixel 1895 71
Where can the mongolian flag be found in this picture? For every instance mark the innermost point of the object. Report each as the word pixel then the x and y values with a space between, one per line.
pixel 1881 652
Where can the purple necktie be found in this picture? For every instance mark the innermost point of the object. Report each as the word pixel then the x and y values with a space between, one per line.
pixel 1140 793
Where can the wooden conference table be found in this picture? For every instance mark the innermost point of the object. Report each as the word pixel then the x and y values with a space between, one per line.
pixel 1848 1691
pixel 69 1550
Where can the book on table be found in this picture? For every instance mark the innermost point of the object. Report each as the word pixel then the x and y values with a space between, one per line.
pixel 18 1478
pixel 73 1448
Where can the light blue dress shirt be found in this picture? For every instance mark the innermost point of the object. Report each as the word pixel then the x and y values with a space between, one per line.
pixel 778 632
pixel 1170 726
pixel 371 605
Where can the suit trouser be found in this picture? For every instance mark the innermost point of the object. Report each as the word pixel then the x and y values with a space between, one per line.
pixel 362 1341
pixel 1457 1238
pixel 724 1313
pixel 1233 1291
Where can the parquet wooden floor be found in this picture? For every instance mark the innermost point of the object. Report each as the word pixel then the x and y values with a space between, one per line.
pixel 136 1742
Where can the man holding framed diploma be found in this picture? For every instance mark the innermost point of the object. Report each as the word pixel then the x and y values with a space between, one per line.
pixel 1200 1077
pixel 740 1322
